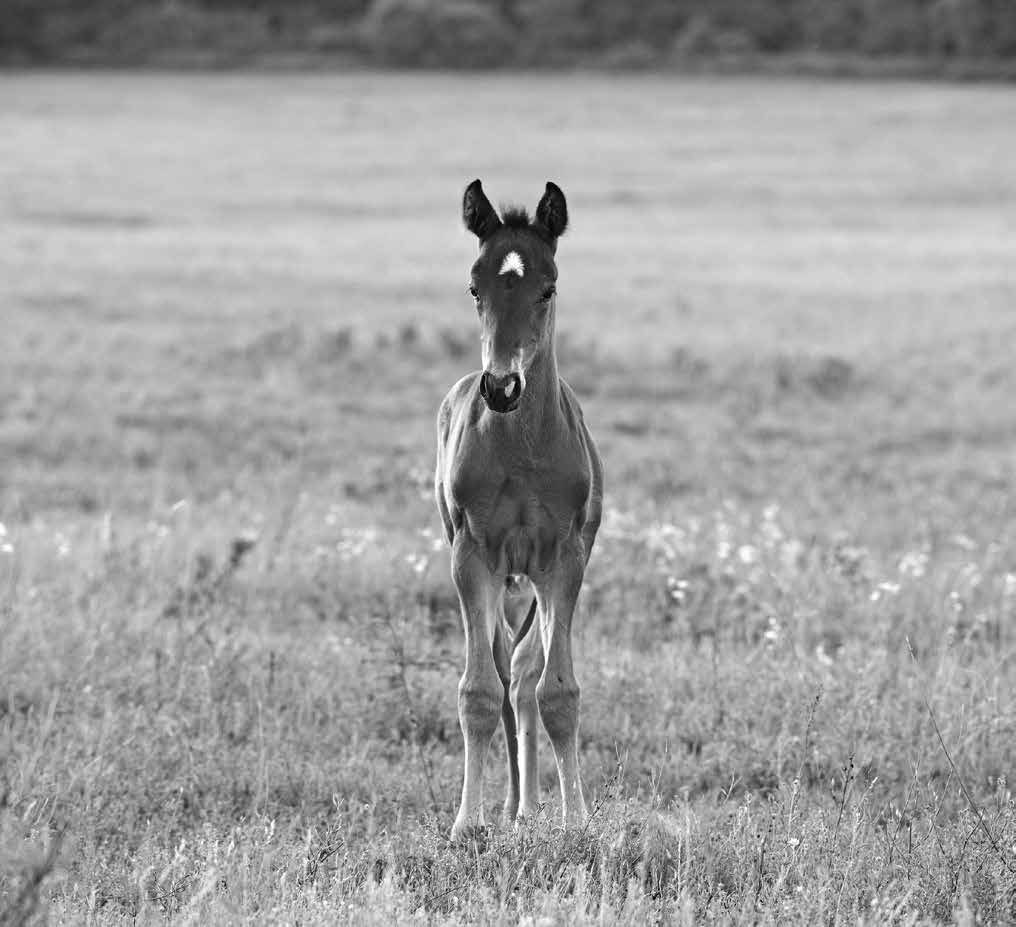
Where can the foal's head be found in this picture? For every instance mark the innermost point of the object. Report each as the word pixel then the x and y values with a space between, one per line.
pixel 513 283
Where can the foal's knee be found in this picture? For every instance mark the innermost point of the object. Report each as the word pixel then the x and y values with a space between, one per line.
pixel 559 707
pixel 480 704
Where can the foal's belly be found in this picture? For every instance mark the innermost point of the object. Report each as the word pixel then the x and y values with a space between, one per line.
pixel 521 532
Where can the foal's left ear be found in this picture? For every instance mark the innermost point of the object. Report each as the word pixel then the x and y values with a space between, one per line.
pixel 552 211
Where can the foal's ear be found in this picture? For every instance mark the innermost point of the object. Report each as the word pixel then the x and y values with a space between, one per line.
pixel 552 211
pixel 477 213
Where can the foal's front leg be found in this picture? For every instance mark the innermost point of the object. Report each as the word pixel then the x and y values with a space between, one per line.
pixel 557 692
pixel 481 692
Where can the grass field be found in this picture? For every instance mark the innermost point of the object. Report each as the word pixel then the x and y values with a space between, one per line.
pixel 230 307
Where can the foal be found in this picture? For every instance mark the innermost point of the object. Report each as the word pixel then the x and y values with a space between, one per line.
pixel 519 485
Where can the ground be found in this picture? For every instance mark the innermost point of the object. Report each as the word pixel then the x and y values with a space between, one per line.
pixel 231 305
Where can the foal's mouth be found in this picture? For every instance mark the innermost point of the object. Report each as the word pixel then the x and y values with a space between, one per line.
pixel 501 394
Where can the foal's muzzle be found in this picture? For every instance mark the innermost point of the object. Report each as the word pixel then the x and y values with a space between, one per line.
pixel 501 394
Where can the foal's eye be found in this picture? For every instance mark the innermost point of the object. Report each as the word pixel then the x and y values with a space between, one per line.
pixel 473 292
pixel 548 294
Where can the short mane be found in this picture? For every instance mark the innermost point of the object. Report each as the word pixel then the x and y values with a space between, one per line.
pixel 515 217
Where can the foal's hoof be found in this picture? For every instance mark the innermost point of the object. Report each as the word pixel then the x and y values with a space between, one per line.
pixel 528 816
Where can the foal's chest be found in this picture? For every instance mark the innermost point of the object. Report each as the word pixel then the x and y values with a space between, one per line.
pixel 519 511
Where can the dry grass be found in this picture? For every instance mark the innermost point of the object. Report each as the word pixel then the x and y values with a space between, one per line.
pixel 231 305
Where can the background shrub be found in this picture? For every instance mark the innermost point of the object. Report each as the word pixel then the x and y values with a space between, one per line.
pixel 491 33
pixel 446 33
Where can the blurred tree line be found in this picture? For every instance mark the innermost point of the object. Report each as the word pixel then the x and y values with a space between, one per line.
pixel 483 33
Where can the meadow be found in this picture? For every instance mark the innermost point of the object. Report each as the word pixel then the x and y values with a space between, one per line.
pixel 229 643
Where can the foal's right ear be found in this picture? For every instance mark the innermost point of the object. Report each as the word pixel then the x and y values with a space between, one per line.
pixel 477 213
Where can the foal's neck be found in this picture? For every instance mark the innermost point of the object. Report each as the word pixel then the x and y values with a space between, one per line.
pixel 540 405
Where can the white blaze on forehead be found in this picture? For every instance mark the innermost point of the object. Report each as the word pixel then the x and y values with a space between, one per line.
pixel 512 264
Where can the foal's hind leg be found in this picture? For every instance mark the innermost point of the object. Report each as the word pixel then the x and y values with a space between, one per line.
pixel 481 693
pixel 502 662
pixel 527 664
pixel 557 692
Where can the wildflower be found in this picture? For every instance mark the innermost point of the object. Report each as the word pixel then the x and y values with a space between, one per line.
pixel 913 564
pixel 678 589
pixel 5 546
pixel 417 562
pixel 433 541
pixel 354 542
pixel 747 554
pixel 886 588
pixel 822 656
pixel 63 546
pixel 1009 589
pixel 156 528
pixel 106 532
pixel 772 634
pixel 771 530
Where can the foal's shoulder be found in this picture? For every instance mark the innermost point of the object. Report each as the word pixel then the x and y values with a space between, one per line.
pixel 464 389
pixel 457 396
pixel 569 400
pixel 573 412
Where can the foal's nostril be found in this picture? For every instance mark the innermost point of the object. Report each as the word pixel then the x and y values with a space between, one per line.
pixel 501 394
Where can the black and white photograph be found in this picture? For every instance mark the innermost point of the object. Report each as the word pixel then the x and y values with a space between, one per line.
pixel 499 462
